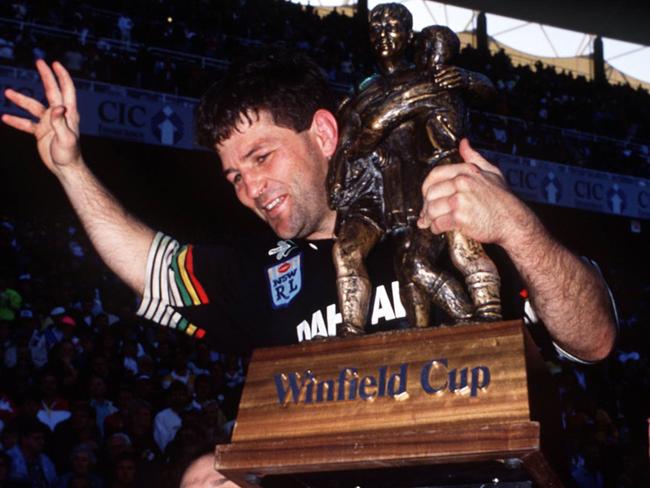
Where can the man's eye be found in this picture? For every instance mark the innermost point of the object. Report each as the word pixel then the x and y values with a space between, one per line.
pixel 262 157
pixel 236 179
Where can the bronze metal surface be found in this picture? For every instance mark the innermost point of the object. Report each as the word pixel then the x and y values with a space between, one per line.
pixel 403 121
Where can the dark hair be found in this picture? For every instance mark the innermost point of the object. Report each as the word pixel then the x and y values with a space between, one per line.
pixel 287 84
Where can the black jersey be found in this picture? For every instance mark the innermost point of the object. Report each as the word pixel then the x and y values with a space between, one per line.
pixel 265 292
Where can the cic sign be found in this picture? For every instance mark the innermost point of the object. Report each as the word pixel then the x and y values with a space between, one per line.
pixel 569 186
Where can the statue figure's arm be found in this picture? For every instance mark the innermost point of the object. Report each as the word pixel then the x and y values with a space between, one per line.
pixel 337 172
pixel 477 84
pixel 349 123
pixel 480 86
pixel 569 296
pixel 412 98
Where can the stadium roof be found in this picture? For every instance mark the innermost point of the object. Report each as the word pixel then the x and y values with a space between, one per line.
pixel 548 29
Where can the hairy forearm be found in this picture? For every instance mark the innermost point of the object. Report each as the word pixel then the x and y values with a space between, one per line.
pixel 121 240
pixel 568 295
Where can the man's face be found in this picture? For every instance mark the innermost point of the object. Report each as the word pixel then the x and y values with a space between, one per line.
pixel 280 175
pixel 201 474
pixel 389 35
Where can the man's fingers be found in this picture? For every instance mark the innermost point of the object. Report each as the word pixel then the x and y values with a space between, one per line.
pixel 470 155
pixel 442 189
pixel 440 224
pixel 50 86
pixel 438 207
pixel 19 123
pixel 60 126
pixel 67 86
pixel 446 172
pixel 29 104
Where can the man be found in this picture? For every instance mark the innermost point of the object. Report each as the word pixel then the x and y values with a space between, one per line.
pixel 271 124
pixel 29 464
pixel 201 474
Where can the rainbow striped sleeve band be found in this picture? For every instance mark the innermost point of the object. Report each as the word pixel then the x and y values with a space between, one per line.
pixel 170 283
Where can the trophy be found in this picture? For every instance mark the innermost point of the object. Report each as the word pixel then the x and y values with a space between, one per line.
pixel 458 402
pixel 402 122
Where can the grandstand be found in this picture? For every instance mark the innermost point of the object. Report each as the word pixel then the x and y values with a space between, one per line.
pixel 140 68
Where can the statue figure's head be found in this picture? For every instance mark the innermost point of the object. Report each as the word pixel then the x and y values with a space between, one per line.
pixel 391 31
pixel 436 44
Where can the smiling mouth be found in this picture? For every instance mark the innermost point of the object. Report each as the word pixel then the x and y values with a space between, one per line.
pixel 274 204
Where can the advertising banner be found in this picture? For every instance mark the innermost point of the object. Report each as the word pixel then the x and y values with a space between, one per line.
pixel 115 111
pixel 154 118
pixel 574 187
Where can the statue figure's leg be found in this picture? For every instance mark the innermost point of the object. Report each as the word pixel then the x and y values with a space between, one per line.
pixel 421 282
pixel 414 298
pixel 469 257
pixel 355 239
pixel 481 275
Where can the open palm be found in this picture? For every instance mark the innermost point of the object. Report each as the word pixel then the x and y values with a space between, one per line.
pixel 57 126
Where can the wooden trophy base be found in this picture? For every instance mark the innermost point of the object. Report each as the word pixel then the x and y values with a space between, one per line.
pixel 436 397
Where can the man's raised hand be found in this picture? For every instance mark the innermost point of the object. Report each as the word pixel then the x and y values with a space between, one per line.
pixel 57 126
pixel 121 240
pixel 473 198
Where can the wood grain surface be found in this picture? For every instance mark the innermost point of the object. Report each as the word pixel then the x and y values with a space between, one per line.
pixel 497 348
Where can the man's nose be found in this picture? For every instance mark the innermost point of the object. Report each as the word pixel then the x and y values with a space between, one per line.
pixel 255 184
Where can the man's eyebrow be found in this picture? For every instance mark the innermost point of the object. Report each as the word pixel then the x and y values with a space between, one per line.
pixel 252 151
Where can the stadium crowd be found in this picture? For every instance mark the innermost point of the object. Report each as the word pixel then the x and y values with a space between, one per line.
pixel 93 396
pixel 90 395
pixel 181 47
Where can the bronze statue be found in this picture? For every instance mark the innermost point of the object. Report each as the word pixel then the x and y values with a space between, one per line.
pixel 403 121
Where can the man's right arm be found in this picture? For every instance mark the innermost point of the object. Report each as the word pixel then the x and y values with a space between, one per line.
pixel 121 240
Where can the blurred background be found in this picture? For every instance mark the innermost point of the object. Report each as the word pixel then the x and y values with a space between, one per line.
pixel 112 400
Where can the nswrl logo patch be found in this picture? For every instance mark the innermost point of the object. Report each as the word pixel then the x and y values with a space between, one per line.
pixel 285 281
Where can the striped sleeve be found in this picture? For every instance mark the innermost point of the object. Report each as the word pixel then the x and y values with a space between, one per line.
pixel 171 283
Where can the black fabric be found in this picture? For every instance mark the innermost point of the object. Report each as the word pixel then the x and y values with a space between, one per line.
pixel 241 314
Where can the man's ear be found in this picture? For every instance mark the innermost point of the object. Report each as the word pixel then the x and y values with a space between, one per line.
pixel 325 130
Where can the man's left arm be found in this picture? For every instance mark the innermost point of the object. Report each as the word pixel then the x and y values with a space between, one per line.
pixel 568 295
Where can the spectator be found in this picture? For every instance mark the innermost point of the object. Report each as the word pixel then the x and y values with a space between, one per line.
pixel 103 406
pixel 124 474
pixel 82 464
pixel 125 26
pixel 10 301
pixel 28 462
pixel 53 409
pixel 180 371
pixel 168 421
pixel 79 430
